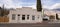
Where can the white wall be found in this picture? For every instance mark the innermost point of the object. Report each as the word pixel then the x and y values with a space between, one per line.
pixel 25 11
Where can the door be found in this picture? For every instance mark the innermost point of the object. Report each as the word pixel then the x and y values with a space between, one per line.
pixel 18 18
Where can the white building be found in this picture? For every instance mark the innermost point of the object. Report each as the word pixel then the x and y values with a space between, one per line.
pixel 25 15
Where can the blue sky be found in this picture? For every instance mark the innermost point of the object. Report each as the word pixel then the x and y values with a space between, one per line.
pixel 50 2
pixel 30 3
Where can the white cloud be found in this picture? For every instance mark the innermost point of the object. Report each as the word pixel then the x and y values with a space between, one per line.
pixel 0 5
pixel 7 3
pixel 54 6
pixel 10 4
pixel 44 6
pixel 57 5
pixel 33 6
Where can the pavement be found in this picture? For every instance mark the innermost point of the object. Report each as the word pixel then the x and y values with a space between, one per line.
pixel 55 21
pixel 43 24
pixel 30 25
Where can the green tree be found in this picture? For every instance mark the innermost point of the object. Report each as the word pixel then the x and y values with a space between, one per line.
pixel 39 6
pixel 3 12
pixel 57 16
pixel 52 17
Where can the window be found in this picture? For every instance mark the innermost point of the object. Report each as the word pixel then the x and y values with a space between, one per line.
pixel 27 17
pixel 33 17
pixel 18 16
pixel 38 16
pixel 13 16
pixel 23 17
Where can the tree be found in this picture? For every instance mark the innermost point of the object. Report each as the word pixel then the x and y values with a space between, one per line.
pixel 39 7
pixel 3 11
pixel 0 8
pixel 0 11
pixel 52 17
pixel 57 16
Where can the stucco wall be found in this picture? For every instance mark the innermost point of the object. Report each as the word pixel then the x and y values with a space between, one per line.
pixel 25 11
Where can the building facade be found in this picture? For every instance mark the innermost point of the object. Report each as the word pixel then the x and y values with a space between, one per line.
pixel 25 15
